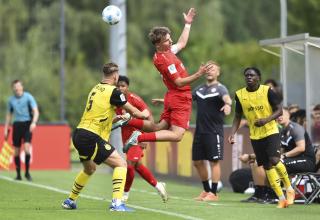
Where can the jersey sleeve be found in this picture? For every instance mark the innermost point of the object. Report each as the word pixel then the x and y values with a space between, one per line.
pixel 117 98
pixel 238 105
pixel 9 106
pixel 273 98
pixel 174 49
pixel 297 133
pixel 223 90
pixel 138 103
pixel 32 101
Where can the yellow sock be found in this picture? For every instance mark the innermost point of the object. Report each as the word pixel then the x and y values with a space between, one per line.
pixel 282 172
pixel 118 181
pixel 80 181
pixel 274 181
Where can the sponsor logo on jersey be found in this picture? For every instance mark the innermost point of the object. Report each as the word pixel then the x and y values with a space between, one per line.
pixel 172 69
pixel 255 108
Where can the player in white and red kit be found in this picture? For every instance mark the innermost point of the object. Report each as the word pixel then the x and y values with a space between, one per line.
pixel 135 153
pixel 178 99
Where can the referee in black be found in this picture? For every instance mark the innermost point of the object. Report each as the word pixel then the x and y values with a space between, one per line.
pixel 213 103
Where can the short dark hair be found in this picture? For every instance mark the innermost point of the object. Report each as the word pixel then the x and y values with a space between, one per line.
pixel 254 69
pixel 15 82
pixel 156 34
pixel 124 79
pixel 110 68
pixel 316 107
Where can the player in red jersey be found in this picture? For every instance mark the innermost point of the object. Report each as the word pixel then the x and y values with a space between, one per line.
pixel 135 153
pixel 178 99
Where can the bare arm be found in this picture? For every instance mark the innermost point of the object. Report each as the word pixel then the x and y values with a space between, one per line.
pixel 276 113
pixel 227 104
pixel 189 79
pixel 183 39
pixel 300 148
pixel 135 112
pixel 34 119
pixel 235 126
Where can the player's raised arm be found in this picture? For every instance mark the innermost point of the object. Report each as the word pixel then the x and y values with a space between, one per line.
pixel 183 39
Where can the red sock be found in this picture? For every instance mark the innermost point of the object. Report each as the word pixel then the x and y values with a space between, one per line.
pixel 146 174
pixel 137 123
pixel 147 137
pixel 130 177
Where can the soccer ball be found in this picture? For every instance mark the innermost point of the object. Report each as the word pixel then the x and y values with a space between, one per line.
pixel 111 14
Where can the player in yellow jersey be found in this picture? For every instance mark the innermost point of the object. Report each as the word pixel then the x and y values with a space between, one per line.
pixel 261 106
pixel 92 135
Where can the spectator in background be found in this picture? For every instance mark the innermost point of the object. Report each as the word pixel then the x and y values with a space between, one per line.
pixel 293 108
pixel 274 86
pixel 315 125
pixel 213 103
pixel 299 117
pixel 22 107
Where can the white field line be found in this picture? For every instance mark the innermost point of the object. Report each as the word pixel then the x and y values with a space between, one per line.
pixel 54 189
pixel 172 197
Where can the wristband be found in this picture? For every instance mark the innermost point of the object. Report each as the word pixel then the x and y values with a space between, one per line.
pixel 187 25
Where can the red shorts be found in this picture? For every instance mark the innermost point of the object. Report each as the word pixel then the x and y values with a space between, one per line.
pixel 177 109
pixel 135 153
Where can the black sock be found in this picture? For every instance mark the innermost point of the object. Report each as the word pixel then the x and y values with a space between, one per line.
pixel 27 163
pixel 258 191
pixel 206 186
pixel 214 188
pixel 17 162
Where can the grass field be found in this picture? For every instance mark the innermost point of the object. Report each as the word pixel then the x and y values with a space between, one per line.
pixel 41 200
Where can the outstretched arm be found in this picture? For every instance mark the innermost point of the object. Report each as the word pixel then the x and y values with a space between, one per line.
pixel 183 39
pixel 187 80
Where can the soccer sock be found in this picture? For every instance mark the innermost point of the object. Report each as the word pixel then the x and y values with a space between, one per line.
pixel 214 187
pixel 147 137
pixel 282 172
pixel 17 162
pixel 118 181
pixel 206 186
pixel 27 159
pixel 146 174
pixel 137 123
pixel 80 181
pixel 274 181
pixel 130 178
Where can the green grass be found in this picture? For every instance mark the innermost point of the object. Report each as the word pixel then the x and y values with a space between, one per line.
pixel 20 200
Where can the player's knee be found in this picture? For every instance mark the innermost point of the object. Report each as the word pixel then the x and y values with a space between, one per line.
pixel 198 163
pixel 274 160
pixel 121 163
pixel 90 170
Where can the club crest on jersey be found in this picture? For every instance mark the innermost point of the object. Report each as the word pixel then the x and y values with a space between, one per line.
pixel 172 69
pixel 107 146
pixel 122 97
pixel 213 89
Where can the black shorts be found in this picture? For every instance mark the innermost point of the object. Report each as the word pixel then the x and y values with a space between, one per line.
pixel 266 148
pixel 300 164
pixel 207 147
pixel 21 131
pixel 91 146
